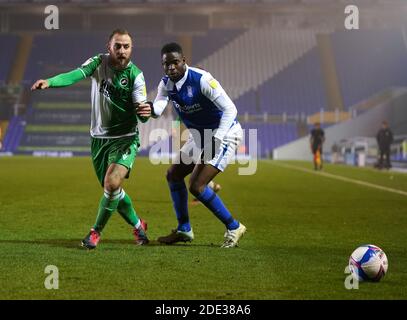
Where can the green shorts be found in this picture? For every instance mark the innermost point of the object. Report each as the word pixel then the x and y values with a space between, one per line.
pixel 119 150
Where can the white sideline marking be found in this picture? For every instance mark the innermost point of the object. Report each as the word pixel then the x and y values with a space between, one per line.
pixel 334 176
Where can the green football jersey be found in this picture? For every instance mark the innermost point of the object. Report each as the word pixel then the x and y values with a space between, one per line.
pixel 114 93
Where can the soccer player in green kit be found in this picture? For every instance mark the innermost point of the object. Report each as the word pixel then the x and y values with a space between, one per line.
pixel 118 89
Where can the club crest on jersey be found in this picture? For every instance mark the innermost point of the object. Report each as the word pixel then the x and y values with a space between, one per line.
pixel 190 93
pixel 124 82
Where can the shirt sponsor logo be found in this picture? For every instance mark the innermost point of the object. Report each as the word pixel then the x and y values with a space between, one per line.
pixel 187 108
pixel 109 90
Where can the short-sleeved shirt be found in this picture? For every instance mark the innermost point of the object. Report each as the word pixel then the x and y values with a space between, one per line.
pixel 114 93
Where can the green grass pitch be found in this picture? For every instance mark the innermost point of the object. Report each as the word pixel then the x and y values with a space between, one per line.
pixel 301 229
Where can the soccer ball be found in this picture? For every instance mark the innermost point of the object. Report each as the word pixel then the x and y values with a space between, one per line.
pixel 368 263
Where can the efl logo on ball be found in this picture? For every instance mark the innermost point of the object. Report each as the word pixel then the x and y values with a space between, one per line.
pixel 368 263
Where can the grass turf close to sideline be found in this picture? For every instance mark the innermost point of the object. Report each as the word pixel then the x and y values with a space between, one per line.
pixel 301 229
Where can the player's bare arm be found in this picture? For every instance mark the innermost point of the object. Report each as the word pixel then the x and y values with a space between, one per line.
pixel 40 85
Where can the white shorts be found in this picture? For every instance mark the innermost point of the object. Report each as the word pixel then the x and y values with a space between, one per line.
pixel 223 155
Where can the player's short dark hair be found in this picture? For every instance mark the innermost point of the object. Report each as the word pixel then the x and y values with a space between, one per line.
pixel 171 47
pixel 119 31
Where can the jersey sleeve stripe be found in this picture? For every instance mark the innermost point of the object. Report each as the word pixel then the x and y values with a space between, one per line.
pixel 84 75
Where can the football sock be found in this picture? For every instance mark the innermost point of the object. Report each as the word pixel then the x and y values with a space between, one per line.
pixel 138 224
pixel 126 210
pixel 211 200
pixel 107 205
pixel 179 195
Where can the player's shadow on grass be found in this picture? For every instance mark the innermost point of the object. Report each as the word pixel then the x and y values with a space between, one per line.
pixel 63 243
pixel 76 243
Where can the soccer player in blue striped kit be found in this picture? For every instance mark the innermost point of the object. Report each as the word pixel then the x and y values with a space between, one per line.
pixel 210 115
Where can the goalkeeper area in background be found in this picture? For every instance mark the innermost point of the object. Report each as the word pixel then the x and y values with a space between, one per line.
pixel 302 227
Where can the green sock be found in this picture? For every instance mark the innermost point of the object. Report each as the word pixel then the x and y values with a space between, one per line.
pixel 126 210
pixel 107 205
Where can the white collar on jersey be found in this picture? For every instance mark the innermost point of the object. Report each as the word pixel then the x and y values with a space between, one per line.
pixel 180 82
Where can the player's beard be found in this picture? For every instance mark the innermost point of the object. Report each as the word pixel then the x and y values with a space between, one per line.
pixel 120 62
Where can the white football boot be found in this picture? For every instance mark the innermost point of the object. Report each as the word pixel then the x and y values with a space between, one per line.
pixel 232 237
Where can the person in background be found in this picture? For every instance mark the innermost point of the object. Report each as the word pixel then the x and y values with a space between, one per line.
pixel 335 153
pixel 384 139
pixel 317 139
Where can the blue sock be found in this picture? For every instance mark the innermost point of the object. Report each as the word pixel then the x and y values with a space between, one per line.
pixel 210 199
pixel 179 195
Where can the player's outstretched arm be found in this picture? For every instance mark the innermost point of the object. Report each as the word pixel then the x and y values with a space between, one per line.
pixel 60 80
pixel 40 85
